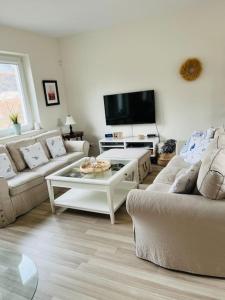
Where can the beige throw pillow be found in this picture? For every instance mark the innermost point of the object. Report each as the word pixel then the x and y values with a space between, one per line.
pixel 211 176
pixel 186 180
pixel 220 141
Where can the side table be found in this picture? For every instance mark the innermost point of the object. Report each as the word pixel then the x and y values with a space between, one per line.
pixel 77 135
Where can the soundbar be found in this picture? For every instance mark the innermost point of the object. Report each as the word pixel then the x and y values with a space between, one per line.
pixel 150 135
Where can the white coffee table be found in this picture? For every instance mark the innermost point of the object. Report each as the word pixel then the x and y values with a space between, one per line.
pixel 101 193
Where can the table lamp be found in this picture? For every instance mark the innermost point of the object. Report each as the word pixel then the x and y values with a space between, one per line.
pixel 69 122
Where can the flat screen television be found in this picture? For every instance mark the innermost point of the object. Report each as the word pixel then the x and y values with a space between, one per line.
pixel 130 108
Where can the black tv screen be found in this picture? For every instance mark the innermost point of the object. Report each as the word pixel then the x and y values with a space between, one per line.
pixel 130 108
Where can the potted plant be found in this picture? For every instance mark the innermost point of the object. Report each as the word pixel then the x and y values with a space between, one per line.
pixel 14 117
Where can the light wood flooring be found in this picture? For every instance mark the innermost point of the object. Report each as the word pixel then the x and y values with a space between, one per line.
pixel 82 256
pixel 155 171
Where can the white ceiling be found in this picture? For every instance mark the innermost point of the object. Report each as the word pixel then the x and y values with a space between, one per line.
pixel 64 17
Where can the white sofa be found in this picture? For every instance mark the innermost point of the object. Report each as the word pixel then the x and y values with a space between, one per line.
pixel 178 231
pixel 28 188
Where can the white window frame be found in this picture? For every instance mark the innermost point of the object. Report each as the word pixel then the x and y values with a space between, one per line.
pixel 19 61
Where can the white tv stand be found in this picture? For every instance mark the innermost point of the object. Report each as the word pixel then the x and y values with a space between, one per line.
pixel 129 142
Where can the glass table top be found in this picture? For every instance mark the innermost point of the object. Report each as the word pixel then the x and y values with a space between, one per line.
pixel 18 276
pixel 74 171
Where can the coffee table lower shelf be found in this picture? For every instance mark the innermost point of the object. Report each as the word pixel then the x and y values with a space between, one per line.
pixel 93 201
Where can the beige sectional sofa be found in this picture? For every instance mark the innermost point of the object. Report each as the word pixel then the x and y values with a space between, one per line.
pixel 28 188
pixel 178 231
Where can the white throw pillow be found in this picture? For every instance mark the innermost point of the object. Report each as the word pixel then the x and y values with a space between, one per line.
pixel 34 155
pixel 197 144
pixel 185 181
pixel 56 146
pixel 6 169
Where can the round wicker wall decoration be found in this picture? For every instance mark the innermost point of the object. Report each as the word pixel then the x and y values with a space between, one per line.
pixel 191 69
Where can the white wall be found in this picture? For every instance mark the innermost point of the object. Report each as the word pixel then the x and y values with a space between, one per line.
pixel 44 58
pixel 147 55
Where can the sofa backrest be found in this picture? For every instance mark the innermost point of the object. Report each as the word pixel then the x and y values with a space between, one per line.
pixel 15 153
pixel 14 150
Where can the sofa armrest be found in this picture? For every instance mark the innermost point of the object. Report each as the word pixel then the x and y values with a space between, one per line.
pixel 142 203
pixel 77 146
pixel 7 214
pixel 179 145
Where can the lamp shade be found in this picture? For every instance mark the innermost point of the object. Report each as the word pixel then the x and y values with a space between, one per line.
pixel 70 121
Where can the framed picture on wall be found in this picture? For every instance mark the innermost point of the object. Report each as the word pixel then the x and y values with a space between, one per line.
pixel 51 92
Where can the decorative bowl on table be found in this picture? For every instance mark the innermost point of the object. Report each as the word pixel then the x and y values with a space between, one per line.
pixel 94 165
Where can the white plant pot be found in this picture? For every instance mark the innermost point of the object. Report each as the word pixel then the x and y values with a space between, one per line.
pixel 17 129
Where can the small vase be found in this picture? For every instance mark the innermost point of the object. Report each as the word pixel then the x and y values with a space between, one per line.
pixel 17 129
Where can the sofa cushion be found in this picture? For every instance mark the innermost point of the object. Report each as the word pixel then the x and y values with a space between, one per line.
pixel 14 150
pixel 211 183
pixel 56 146
pixel 4 150
pixel 24 181
pixel 185 181
pixel 42 139
pixel 168 174
pixel 70 157
pixel 34 155
pixel 51 167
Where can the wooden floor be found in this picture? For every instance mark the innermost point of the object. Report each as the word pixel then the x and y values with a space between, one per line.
pixel 82 256
pixel 155 171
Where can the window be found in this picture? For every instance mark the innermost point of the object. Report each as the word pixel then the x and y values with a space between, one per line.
pixel 13 93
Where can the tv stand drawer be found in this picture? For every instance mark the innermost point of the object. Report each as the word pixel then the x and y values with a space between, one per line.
pixel 112 143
